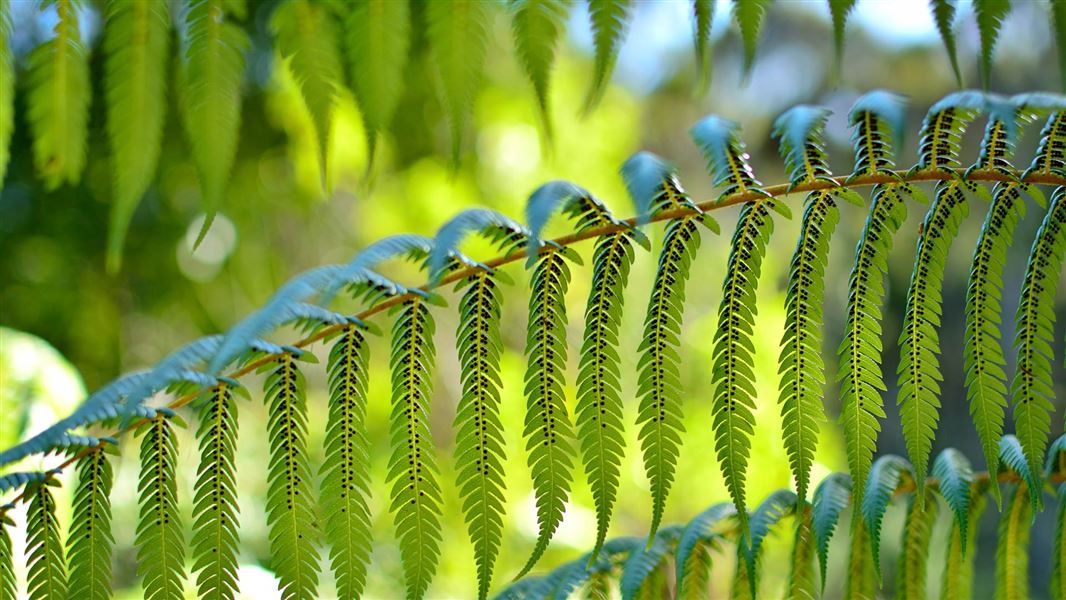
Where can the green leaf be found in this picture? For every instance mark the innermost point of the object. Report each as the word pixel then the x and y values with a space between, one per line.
pixel 505 233
pixel 983 356
pixel 210 91
pixel 885 476
pixel 598 416
pixel 160 535
pixel 878 119
pixel 1012 550
pixel 136 40
pixel 955 478
pixel 801 132
pixel 831 497
pixel 378 34
pixel 46 567
pixel 650 180
pixel 479 448
pixel 692 560
pixel 575 202
pixel 862 581
pixel 1050 156
pixel 7 88
pixel 1032 392
pixel 859 370
pixel 290 507
pixel 726 159
pixel 911 570
pixel 733 361
pixel 610 20
pixel 547 431
pixel 7 558
pixel 958 566
pixel 801 579
pixel 1056 458
pixel 306 36
pixel 415 496
pixel 536 25
pixel 215 538
pixel 90 540
pixel 345 469
pixel 769 512
pixel 919 371
pixel 943 127
pixel 990 15
pixel 944 15
pixel 749 15
pixel 58 100
pixel 801 367
pixel 638 573
pixel 457 32
pixel 839 10
pixel 703 15
pixel 1058 553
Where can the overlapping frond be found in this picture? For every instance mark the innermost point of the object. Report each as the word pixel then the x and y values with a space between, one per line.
pixel 703 15
pixel 1058 550
pixel 990 15
pixel 214 546
pixel 46 565
pixel 728 163
pixel 641 569
pixel 537 25
pixel 913 560
pixel 692 560
pixel 952 470
pixel 957 583
pixel 862 576
pixel 160 534
pixel 944 16
pixel 415 498
pixel 839 11
pixel 290 508
pixel 885 477
pixel 801 573
pixel 377 36
pixel 749 15
pixel 609 19
pixel 831 497
pixel 1012 548
pixel 771 510
pixel 90 540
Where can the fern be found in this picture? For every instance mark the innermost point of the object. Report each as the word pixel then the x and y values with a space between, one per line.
pixel 137 36
pixel 610 20
pixel 703 15
pixel 955 477
pixel 990 15
pixel 378 35
pixel 801 578
pixel 457 34
pixel 692 561
pixel 944 16
pixel 209 88
pixel 885 476
pixel 1031 392
pixel 548 430
pixel 479 451
pixel 771 510
pixel 345 469
pixel 160 536
pixel 416 496
pixel 46 565
pixel 90 541
pixel 961 552
pixel 914 554
pixel 215 539
pixel 863 566
pixel 1058 552
pixel 839 10
pixel 289 506
pixel 1050 155
pixel 7 88
pixel 7 557
pixel 536 25
pixel 749 15
pixel 831 497
pixel 307 38
pixel 1012 552
pixel 643 565
pixel 58 100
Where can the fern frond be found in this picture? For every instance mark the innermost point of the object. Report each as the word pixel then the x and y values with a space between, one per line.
pixel 160 536
pixel 1012 549
pixel 479 448
pixel 46 565
pixel 877 118
pixel 58 100
pixel 703 17
pixel 588 569
pixel 415 496
pixel 598 415
pixel 733 368
pixel 962 551
pixel 378 34
pixel 831 497
pixel 1031 389
pixel 944 16
pixel 801 132
pixel 1056 457
pixel 215 528
pixel 90 540
pixel 136 40
pixel 955 483
pixel 914 548
pixel 548 431
pixel 749 15
pixel 573 201
pixel 209 86
pixel 942 129
pixel 862 579
pixel 839 11
pixel 801 578
pixel 501 230
pixel 801 367
pixel 659 412
pixel 885 476
pixel 610 20
pixel 1012 458
pixel 7 89
pixel 7 557
pixel 771 510
pixel 290 507
pixel 919 371
pixel 18 479
pixel 983 357
pixel 1058 551
pixel 691 559
pixel 638 572
pixel 345 469
pixel 536 25
pixel 1050 156
pixel 306 36
pixel 728 163
pixel 457 33
pixel 649 180
pixel 990 15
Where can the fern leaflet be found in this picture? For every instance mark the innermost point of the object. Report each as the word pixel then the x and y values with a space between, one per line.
pixel 990 15
pixel 536 25
pixel 46 577
pixel 914 549
pixel 801 566
pixel 1012 550
pixel 378 34
pixel 90 541
pixel 1058 552
pixel 861 582
pixel 7 558
pixel 955 483
pixel 749 15
pixel 610 19
pixel 457 34
pixel 962 551
pixel 160 536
